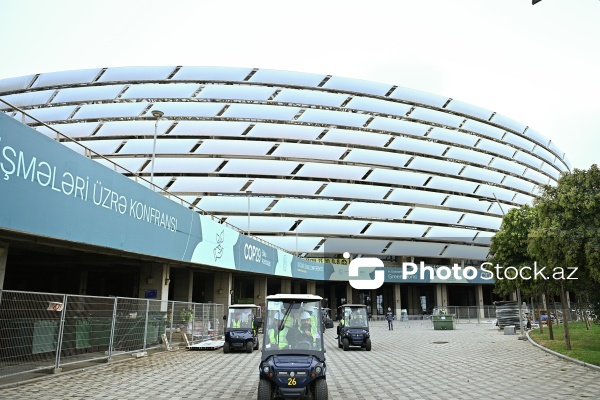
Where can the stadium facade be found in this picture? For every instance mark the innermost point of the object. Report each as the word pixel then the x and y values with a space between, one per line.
pixel 315 164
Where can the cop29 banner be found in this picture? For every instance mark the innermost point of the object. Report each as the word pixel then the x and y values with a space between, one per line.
pixel 255 256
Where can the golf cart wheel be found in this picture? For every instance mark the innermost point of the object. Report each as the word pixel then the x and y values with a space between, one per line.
pixel 257 344
pixel 368 344
pixel 249 346
pixel 346 344
pixel 264 390
pixel 321 390
pixel 339 343
pixel 226 348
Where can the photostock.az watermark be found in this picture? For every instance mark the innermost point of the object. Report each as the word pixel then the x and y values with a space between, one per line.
pixel 486 271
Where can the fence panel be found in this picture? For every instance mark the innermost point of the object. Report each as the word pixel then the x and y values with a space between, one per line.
pixel 29 330
pixel 86 329
pixel 182 322
pixel 40 331
pixel 213 317
pixel 158 320
pixel 130 325
pixel 406 321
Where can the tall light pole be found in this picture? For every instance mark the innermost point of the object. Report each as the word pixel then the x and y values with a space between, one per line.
pixel 499 205
pixel 297 225
pixel 249 193
pixel 522 335
pixel 158 115
pixel 495 199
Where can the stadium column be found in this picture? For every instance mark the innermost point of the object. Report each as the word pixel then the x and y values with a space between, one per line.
pixel 409 296
pixel 441 295
pixel 480 310
pixel 3 258
pixel 349 294
pixel 311 287
pixel 286 286
pixel 260 289
pixel 222 286
pixel 397 301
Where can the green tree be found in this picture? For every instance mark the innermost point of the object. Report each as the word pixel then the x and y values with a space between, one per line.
pixel 566 232
pixel 509 252
pixel 588 296
pixel 509 246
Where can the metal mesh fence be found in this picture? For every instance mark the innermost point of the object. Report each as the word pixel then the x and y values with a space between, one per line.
pixel 47 330
pixel 472 313
pixel 461 313
pixel 405 321
pixel 29 330
pixel 85 330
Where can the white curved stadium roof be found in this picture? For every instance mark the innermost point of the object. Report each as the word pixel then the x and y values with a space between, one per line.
pixel 322 164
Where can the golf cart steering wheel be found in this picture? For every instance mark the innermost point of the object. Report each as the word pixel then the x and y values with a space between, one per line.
pixel 303 345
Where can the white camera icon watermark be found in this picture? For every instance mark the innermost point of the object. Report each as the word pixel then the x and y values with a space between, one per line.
pixel 366 262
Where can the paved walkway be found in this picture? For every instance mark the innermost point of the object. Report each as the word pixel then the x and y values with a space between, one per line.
pixel 411 362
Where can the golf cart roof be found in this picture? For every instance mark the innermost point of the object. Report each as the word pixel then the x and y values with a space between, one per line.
pixel 297 297
pixel 244 306
pixel 353 305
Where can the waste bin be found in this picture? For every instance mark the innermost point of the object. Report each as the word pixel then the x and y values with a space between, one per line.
pixel 152 332
pixel 509 330
pixel 83 328
pixel 443 322
pixel 45 336
pixel 100 333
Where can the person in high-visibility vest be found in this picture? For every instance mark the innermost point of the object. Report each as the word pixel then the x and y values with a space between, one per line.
pixel 187 317
pixel 315 316
pixel 307 331
pixel 340 326
pixel 249 323
pixel 236 322
pixel 278 337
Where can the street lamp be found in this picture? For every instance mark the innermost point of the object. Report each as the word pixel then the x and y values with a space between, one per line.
pixel 249 193
pixel 522 335
pixel 158 115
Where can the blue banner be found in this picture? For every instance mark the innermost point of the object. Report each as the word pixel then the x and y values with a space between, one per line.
pixel 253 256
pixel 50 190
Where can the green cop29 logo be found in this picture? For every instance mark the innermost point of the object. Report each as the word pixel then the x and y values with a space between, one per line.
pixel 366 262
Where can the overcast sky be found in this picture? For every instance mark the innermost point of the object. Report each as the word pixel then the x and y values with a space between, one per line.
pixel 539 65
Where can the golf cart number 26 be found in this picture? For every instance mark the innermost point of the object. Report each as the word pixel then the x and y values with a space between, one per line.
pixel 291 381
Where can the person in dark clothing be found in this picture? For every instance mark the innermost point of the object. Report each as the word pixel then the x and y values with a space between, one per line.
pixel 390 317
pixel 341 324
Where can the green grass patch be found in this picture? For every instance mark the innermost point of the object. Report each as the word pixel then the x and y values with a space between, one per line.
pixel 585 345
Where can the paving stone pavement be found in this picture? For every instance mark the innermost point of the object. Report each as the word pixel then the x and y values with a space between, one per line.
pixel 413 361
